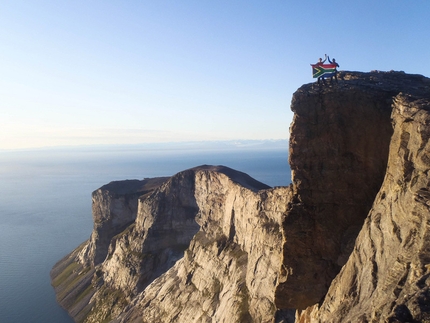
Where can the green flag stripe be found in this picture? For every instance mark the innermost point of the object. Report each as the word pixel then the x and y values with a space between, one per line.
pixel 319 71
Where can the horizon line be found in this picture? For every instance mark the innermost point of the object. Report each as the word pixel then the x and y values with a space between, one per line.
pixel 236 143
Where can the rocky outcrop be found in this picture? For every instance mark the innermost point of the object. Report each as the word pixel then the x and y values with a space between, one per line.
pixel 205 245
pixel 338 155
pixel 229 271
pixel 386 278
pixel 114 207
pixel 345 242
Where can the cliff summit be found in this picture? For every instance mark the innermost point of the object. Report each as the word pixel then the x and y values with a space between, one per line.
pixel 347 241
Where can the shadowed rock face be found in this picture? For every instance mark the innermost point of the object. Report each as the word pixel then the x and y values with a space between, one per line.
pixel 386 278
pixel 338 155
pixel 346 242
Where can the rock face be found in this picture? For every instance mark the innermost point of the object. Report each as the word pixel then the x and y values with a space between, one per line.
pixel 338 155
pixel 229 271
pixel 386 278
pixel 114 207
pixel 347 241
pixel 205 246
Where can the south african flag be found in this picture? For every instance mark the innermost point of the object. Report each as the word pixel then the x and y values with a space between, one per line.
pixel 325 70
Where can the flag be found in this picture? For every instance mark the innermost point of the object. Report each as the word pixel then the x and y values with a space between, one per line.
pixel 325 70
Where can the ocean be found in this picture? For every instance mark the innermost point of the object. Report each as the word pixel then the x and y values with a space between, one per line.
pixel 45 206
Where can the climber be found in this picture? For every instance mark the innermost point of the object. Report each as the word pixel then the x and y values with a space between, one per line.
pixel 335 69
pixel 320 63
pixel 323 71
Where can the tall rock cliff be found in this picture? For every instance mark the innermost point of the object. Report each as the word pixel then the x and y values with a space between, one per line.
pixel 114 208
pixel 338 154
pixel 345 242
pixel 386 278
pixel 205 247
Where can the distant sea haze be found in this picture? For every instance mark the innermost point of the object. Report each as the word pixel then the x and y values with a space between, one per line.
pixel 45 205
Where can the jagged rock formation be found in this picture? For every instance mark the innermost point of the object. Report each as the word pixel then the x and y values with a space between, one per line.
pixel 228 273
pixel 114 208
pixel 338 155
pixel 211 244
pixel 386 278
pixel 205 246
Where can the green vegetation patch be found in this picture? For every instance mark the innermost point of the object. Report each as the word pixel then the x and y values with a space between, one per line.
pixel 88 290
pixel 61 278
pixel 109 304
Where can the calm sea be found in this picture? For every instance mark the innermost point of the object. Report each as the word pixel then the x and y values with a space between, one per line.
pixel 45 208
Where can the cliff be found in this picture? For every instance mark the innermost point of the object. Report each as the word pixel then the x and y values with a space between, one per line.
pixel 205 245
pixel 345 242
pixel 386 277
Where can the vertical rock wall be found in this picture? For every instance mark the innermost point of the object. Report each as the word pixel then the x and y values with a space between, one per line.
pixel 229 271
pixel 338 154
pixel 114 207
pixel 386 279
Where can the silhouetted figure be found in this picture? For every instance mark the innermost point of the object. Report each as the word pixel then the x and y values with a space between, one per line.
pixel 319 63
pixel 335 69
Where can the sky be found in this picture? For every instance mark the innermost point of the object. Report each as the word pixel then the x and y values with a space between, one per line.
pixel 127 72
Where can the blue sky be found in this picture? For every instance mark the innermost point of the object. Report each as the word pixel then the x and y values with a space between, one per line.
pixel 117 72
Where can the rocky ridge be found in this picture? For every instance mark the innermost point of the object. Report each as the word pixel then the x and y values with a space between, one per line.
pixel 211 244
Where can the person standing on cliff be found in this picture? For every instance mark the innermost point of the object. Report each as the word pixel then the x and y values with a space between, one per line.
pixel 320 63
pixel 335 69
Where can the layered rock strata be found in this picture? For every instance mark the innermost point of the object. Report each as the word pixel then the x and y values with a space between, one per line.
pixel 205 246
pixel 211 244
pixel 114 208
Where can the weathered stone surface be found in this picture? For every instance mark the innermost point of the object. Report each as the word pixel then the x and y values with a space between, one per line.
pixel 386 278
pixel 229 272
pixel 205 245
pixel 114 207
pixel 338 155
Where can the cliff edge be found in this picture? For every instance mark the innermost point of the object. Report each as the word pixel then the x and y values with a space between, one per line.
pixel 345 242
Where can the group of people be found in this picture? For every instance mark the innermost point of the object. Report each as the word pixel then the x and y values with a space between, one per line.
pixel 321 62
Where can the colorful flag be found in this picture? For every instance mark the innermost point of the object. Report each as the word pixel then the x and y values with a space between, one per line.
pixel 325 70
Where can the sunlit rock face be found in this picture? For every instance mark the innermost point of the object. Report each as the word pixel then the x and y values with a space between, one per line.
pixel 230 269
pixel 345 242
pixel 205 245
pixel 114 208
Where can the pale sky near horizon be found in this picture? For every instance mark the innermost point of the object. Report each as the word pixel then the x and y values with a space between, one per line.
pixel 117 72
